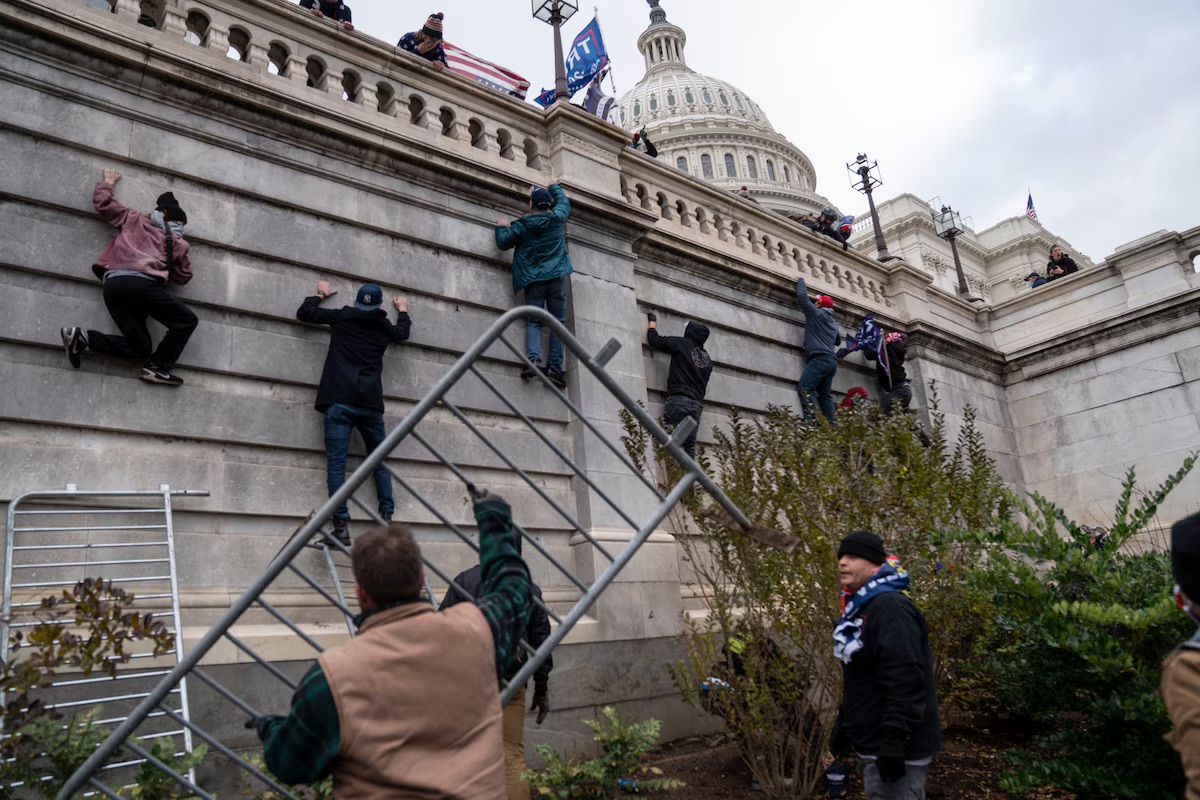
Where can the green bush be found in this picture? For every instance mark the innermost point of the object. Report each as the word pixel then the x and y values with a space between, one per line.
pixel 623 747
pixel 1082 626
pixel 819 482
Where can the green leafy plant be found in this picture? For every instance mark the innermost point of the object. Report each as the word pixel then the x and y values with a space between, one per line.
pixel 623 747
pixel 1083 621
pixel 818 482
pixel 321 790
pixel 63 748
pixel 153 783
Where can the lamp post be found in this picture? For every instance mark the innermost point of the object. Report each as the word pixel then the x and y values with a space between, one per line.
pixel 556 12
pixel 864 176
pixel 947 224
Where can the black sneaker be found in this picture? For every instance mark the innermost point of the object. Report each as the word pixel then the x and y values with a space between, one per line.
pixel 387 519
pixel 530 372
pixel 341 530
pixel 74 342
pixel 556 377
pixel 153 374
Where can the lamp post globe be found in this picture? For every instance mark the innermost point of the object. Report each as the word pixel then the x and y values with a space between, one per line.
pixel 947 224
pixel 864 177
pixel 555 13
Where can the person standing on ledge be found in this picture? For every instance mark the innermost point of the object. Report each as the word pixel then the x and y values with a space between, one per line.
pixel 410 707
pixel 351 391
pixel 540 266
pixel 336 11
pixel 427 42
pixel 820 338
pixel 1060 264
pixel 148 252
pixel 889 711
pixel 687 379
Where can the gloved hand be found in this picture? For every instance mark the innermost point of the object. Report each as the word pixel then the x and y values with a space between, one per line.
pixel 485 502
pixel 541 702
pixel 651 316
pixel 891 768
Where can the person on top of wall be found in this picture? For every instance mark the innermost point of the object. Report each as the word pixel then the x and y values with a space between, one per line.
pixel 1060 264
pixel 641 140
pixel 1180 685
pixel 820 338
pixel 351 391
pixel 336 11
pixel 427 42
pixel 826 225
pixel 148 252
pixel 541 265
pixel 1033 280
pixel 889 711
pixel 687 379
pixel 537 631
pixel 410 707
pixel 845 227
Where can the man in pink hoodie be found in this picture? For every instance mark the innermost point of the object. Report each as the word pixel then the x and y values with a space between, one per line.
pixel 148 251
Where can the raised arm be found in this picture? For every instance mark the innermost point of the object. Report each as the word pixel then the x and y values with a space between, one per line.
pixel 806 305
pixel 562 205
pixel 505 599
pixel 105 202
pixel 310 310
pixel 508 236
pixel 301 747
pixel 403 326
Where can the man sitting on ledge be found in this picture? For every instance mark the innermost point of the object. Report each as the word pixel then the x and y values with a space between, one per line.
pixel 410 707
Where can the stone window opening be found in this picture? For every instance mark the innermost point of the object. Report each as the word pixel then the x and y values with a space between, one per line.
pixel 671 99
pixel 751 168
pixel 706 167
pixel 787 175
pixel 707 96
pixel 688 97
pixel 730 166
pixel 682 164
pixel 351 86
pixel 447 117
pixel 476 130
pixel 505 143
pixel 386 96
pixel 197 28
pixel 239 45
pixel 1196 262
pixel 104 5
pixel 277 59
pixel 724 99
pixel 770 170
pixel 533 158
pixel 654 102
pixel 151 13
pixel 416 110
pixel 738 100
pixel 637 108
pixel 316 72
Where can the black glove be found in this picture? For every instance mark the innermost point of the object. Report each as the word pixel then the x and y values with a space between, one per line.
pixel 651 316
pixel 541 702
pixel 891 768
pixel 486 502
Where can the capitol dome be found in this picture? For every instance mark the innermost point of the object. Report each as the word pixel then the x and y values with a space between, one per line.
pixel 711 129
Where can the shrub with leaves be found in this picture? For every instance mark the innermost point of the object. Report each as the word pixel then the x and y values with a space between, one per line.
pixel 153 783
pixel 819 482
pixel 623 746
pixel 1083 622
pixel 321 790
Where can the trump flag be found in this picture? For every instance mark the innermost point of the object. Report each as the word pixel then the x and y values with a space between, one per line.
pixel 585 59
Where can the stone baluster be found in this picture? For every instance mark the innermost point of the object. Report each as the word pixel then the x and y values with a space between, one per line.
pixel 175 23
pixel 368 96
pixel 129 10
pixel 257 55
pixel 723 229
pixel 217 38
pixel 297 70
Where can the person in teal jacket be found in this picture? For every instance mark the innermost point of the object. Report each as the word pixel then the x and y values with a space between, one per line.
pixel 540 267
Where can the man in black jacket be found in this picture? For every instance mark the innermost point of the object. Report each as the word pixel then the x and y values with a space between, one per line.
pixel 351 391
pixel 336 10
pixel 537 631
pixel 893 380
pixel 889 712
pixel 687 380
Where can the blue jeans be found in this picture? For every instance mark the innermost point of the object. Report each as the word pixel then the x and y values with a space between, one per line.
pixel 340 420
pixel 552 296
pixel 817 378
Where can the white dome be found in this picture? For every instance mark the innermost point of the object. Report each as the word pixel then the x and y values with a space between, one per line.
pixel 712 129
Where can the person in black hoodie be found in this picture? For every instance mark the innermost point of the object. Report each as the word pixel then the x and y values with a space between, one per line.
pixel 893 380
pixel 1060 264
pixel 351 391
pixel 889 712
pixel 336 10
pixel 687 380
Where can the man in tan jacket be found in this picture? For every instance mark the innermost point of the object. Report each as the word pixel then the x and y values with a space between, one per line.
pixel 410 708
pixel 1181 671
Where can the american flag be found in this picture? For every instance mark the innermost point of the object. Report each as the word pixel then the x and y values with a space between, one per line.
pixel 1030 211
pixel 487 73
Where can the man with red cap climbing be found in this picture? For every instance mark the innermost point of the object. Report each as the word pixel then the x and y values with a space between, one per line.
pixel 889 712
pixel 820 340
pixel 1181 671
pixel 147 253
pixel 427 42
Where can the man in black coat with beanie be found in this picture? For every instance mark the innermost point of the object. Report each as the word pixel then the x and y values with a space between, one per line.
pixel 889 712
pixel 351 391
pixel 687 380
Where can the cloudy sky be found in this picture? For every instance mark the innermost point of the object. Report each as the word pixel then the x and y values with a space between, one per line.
pixel 1095 107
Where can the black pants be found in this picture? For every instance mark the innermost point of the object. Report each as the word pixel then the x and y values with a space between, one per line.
pixel 676 408
pixel 130 300
pixel 900 396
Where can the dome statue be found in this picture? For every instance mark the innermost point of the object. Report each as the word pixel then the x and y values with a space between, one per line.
pixel 712 129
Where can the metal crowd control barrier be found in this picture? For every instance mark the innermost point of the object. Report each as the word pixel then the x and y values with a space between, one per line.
pixel 314 531
pixel 56 539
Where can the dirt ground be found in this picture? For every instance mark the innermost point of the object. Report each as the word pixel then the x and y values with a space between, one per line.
pixel 969 767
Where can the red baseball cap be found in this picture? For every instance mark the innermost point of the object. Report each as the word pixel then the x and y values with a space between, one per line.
pixel 824 301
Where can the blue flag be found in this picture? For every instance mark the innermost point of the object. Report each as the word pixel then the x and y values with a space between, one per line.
pixel 585 59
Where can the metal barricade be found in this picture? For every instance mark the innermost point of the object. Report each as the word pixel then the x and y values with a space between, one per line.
pixel 55 539
pixel 318 528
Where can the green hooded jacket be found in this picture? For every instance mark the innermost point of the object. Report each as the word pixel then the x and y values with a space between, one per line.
pixel 540 241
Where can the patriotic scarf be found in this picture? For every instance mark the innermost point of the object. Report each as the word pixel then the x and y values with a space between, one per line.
pixel 847 633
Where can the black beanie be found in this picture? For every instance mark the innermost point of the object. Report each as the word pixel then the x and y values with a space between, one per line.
pixel 170 208
pixel 1185 556
pixel 863 544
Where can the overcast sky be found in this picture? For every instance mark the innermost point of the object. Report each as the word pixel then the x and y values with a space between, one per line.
pixel 1095 107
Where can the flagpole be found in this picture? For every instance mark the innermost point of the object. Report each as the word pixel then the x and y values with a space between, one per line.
pixel 599 27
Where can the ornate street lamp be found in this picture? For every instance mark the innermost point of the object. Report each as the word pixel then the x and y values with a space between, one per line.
pixel 947 224
pixel 556 12
pixel 864 176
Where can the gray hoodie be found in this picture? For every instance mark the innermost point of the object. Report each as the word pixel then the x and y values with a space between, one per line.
pixel 821 335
